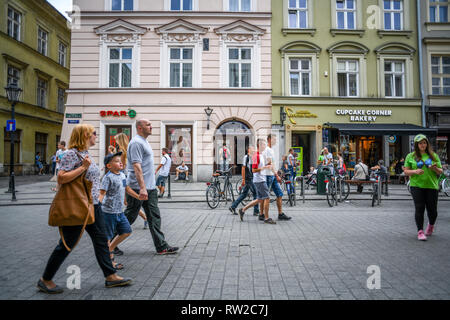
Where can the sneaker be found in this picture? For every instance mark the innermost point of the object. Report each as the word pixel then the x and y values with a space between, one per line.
pixel 146 224
pixel 233 210
pixel 270 221
pixel 168 250
pixel 241 214
pixel 261 217
pixel 429 230
pixel 282 216
pixel 421 236
pixel 118 252
pixel 161 195
pixel 176 179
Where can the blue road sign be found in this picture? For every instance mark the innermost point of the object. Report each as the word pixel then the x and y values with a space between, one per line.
pixel 73 121
pixel 10 125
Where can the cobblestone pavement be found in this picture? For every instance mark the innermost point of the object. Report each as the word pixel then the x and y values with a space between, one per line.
pixel 322 253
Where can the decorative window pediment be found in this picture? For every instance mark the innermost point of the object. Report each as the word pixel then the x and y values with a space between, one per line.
pixel 120 31
pixel 348 47
pixel 240 31
pixel 395 48
pixel 300 47
pixel 181 30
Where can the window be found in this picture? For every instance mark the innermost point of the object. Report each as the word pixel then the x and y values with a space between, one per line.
pixel 120 67
pixel 346 14
pixel 42 41
pixel 394 77
pixel 298 14
pixel 180 67
pixel 300 77
pixel 61 100
pixel 41 145
pixel 62 53
pixel 42 92
pixel 393 14
pixel 239 5
pixel 347 72
pixel 122 5
pixel 240 67
pixel 439 10
pixel 180 5
pixel 14 21
pixel 13 75
pixel 440 75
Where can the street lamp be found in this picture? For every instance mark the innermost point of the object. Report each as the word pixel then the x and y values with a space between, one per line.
pixel 282 116
pixel 13 94
pixel 208 112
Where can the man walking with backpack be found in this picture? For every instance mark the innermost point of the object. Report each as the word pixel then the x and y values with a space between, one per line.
pixel 247 182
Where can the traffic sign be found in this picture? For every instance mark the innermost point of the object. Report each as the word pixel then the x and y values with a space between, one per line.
pixel 73 121
pixel 10 125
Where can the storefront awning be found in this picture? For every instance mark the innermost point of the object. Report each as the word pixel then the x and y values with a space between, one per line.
pixel 380 129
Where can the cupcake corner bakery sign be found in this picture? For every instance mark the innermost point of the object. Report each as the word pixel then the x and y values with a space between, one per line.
pixel 363 115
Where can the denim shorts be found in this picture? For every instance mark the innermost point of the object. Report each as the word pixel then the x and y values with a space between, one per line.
pixel 115 222
pixel 161 181
pixel 272 182
pixel 262 192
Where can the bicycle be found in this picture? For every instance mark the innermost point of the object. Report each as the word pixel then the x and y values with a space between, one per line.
pixel 214 193
pixel 444 183
pixel 331 190
pixel 290 188
pixel 375 176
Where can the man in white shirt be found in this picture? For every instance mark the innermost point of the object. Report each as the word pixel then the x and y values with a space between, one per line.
pixel 182 170
pixel 165 164
pixel 60 154
pixel 272 177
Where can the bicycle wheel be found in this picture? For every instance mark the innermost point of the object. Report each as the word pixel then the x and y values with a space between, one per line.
pixel 446 186
pixel 331 197
pixel 230 191
pixel 238 185
pixel 212 196
pixel 345 190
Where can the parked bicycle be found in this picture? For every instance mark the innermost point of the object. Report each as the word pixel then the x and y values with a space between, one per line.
pixel 375 176
pixel 289 187
pixel 215 193
pixel 337 189
pixel 444 183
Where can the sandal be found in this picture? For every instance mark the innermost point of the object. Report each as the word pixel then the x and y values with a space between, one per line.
pixel 116 265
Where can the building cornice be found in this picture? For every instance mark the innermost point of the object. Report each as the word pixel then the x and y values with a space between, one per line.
pixel 171 14
pixel 168 90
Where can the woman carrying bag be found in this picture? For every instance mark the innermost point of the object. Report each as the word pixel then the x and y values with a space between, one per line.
pixel 76 163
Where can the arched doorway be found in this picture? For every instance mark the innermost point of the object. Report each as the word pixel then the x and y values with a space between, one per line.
pixel 237 136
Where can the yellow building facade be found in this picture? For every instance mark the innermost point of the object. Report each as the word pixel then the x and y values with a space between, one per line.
pixel 35 54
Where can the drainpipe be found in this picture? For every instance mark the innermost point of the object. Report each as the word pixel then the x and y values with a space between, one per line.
pixel 419 41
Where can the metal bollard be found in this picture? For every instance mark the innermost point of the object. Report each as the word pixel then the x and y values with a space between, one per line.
pixel 169 195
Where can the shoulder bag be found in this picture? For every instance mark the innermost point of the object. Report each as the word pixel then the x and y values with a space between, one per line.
pixel 73 206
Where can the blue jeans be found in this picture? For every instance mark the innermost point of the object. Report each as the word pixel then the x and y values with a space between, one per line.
pixel 249 186
pixel 115 223
pixel 273 183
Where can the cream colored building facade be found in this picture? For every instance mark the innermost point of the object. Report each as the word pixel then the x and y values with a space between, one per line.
pixel 168 61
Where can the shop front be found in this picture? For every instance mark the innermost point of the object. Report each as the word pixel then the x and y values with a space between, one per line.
pixel 366 132
pixel 439 119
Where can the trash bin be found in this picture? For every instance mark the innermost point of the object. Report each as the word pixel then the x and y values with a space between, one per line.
pixel 322 172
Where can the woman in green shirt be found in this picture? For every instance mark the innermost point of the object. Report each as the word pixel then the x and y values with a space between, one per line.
pixel 424 168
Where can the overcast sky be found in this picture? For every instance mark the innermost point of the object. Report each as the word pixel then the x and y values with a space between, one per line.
pixel 62 6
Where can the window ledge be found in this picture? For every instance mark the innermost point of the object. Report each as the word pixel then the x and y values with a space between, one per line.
pixel 298 31
pixel 438 96
pixel 401 33
pixel 357 32
pixel 437 24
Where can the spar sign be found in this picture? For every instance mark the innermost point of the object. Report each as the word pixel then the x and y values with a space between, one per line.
pixel 118 113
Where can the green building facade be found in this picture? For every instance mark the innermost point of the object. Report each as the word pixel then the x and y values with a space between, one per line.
pixel 35 54
pixel 345 76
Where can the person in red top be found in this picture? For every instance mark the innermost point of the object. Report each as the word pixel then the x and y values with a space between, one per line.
pixel 224 156
pixel 259 180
